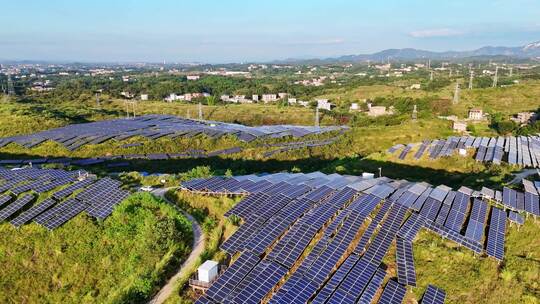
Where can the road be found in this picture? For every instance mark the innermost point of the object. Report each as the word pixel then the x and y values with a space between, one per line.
pixel 198 247
pixel 523 174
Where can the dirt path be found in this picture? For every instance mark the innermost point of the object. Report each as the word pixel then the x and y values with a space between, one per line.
pixel 198 248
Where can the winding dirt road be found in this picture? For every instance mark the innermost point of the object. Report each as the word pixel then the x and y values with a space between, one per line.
pixel 198 247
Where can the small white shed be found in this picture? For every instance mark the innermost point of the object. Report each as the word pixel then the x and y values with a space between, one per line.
pixel 208 271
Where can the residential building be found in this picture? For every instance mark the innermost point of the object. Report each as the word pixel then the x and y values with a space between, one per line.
pixel 459 126
pixel 193 77
pixel 476 114
pixel 354 107
pixel 144 97
pixel 375 111
pixel 292 101
pixel 324 104
pixel 255 97
pixel 525 117
pixel 283 95
pixel 269 98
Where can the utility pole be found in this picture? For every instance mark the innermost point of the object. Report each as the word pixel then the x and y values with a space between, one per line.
pixel 200 111
pixel 495 79
pixel 471 79
pixel 511 71
pixel 450 74
pixel 316 116
pixel 414 113
pixel 456 94
pixel 431 76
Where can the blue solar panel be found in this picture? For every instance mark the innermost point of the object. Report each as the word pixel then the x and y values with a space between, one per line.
pixel 258 283
pixel 393 293
pixel 224 285
pixel 405 262
pixel 496 234
pixel 433 295
pixel 371 290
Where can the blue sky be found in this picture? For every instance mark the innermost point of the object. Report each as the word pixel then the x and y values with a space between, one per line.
pixel 237 30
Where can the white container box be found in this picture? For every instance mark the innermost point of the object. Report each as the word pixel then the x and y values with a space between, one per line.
pixel 208 271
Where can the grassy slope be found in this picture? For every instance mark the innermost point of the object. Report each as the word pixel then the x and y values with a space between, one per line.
pixel 121 259
pixel 471 279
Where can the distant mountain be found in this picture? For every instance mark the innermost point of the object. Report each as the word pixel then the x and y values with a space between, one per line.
pixel 531 50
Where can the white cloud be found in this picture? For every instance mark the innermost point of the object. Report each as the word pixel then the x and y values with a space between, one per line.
pixel 430 33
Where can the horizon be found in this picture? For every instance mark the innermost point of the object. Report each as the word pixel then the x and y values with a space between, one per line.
pixel 216 33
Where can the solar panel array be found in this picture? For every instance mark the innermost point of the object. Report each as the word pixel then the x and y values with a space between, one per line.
pixel 522 150
pixel 157 126
pixel 349 224
pixel 22 186
pixel 283 213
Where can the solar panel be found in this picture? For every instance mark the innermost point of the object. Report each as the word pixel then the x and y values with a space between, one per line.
pixel 433 295
pixel 405 262
pixel 371 290
pixel 225 283
pixel 15 206
pixel 495 238
pixel 75 207
pixel 335 280
pixel 516 217
pixel 29 214
pixel 259 282
pixel 393 293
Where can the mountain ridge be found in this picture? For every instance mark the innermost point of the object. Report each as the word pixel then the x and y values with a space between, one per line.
pixel 531 50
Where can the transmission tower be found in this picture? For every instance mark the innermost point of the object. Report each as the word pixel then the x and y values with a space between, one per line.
pixel 133 105
pixel 200 111
pixel 495 79
pixel 10 86
pixel 98 95
pixel 316 116
pixel 456 94
pixel 471 79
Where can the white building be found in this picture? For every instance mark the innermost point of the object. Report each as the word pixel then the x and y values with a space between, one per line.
pixel 255 97
pixel 459 126
pixel 269 98
pixel 324 104
pixel 283 95
pixel 354 107
pixel 193 77
pixel 144 97
pixel 291 101
pixel 476 114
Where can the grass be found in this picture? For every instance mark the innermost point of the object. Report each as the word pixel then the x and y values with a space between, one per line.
pixel 118 260
pixel 467 278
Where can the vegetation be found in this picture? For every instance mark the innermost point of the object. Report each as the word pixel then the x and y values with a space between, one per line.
pixel 119 260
